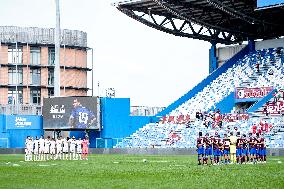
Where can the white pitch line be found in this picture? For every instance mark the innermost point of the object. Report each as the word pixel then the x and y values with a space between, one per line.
pixel 41 165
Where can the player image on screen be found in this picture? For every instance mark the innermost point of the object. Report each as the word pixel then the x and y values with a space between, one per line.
pixel 81 117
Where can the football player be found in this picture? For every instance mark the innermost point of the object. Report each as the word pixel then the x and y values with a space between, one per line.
pixel 47 147
pixel 36 149
pixel 239 146
pixel 41 148
pixel 200 148
pixel 245 151
pixel 226 152
pixel 85 144
pixel 233 141
pixel 81 117
pixel 79 149
pixel 59 142
pixel 72 148
pixel 52 148
pixel 252 150
pixel 65 148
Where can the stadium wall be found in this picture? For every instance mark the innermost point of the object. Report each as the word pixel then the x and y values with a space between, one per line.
pixel 225 53
pixel 267 44
pixel 117 122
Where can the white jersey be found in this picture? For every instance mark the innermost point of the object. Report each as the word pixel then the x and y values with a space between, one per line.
pixel 41 145
pixel 46 146
pixel 36 145
pixel 65 145
pixel 52 144
pixel 72 145
pixel 79 146
pixel 59 143
pixel 26 145
pixel 52 147
pixel 30 146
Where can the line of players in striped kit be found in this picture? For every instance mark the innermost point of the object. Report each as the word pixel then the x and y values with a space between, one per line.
pixel 40 149
pixel 231 149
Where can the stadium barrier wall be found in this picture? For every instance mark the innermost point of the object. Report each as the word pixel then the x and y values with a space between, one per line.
pixel 142 151
pixel 271 43
pixel 205 82
pixel 165 151
pixel 116 120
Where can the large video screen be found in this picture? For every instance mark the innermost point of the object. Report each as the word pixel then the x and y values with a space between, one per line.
pixel 267 3
pixel 70 113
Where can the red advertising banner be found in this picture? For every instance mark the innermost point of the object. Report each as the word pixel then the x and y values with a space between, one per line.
pixel 235 117
pixel 181 119
pixel 245 93
pixel 274 108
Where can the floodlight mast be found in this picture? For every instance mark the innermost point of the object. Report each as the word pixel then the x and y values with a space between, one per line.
pixel 57 41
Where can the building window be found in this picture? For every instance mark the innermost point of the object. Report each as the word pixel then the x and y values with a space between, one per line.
pixel 50 77
pixel 51 56
pixel 50 92
pixel 15 76
pixel 15 96
pixel 35 96
pixel 35 76
pixel 15 55
pixel 35 56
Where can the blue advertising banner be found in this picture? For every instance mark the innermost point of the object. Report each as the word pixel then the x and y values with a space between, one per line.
pixel 267 3
pixel 23 122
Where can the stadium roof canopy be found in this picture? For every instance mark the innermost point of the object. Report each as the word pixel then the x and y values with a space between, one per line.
pixel 219 21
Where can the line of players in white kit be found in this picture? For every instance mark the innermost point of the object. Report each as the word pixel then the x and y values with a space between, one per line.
pixel 40 149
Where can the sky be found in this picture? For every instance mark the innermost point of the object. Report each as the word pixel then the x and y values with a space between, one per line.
pixel 148 66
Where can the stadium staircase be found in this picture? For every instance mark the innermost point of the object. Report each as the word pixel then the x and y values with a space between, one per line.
pixel 214 92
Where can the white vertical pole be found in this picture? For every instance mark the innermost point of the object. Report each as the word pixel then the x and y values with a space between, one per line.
pixel 57 52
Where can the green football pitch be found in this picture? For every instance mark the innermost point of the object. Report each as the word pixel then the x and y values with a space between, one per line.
pixel 130 171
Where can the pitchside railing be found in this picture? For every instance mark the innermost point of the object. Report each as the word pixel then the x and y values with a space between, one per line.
pixel 20 109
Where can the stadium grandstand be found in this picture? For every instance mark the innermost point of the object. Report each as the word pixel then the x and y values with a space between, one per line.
pixel 244 90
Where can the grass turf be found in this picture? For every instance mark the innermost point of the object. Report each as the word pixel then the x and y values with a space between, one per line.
pixel 129 171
